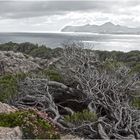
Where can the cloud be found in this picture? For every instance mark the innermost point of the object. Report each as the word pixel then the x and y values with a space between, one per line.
pixel 53 15
pixel 28 9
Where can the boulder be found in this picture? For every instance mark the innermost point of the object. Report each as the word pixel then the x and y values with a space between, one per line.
pixel 11 62
pixel 7 133
pixel 10 133
pixel 5 108
pixel 70 137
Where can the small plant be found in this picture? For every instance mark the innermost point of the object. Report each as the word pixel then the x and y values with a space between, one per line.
pixel 80 117
pixel 111 65
pixel 32 124
pixel 53 75
pixel 8 87
pixel 136 69
pixel 136 103
pixel 21 76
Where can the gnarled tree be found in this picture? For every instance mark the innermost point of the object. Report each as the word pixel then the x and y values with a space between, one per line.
pixel 108 94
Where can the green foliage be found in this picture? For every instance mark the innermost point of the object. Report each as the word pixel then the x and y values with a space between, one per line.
pixel 79 117
pixel 130 59
pixel 111 65
pixel 21 76
pixel 136 102
pixel 8 46
pixel 8 87
pixel 136 69
pixel 31 49
pixel 32 125
pixel 53 75
pixel 41 52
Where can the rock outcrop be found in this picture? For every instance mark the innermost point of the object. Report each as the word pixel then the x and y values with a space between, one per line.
pixel 11 62
pixel 5 108
pixel 70 137
pixel 7 133
pixel 10 133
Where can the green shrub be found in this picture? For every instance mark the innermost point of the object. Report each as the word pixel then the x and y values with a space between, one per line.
pixel 41 52
pixel 136 102
pixel 53 75
pixel 111 65
pixel 8 87
pixel 79 117
pixel 136 69
pixel 32 125
pixel 21 76
pixel 32 49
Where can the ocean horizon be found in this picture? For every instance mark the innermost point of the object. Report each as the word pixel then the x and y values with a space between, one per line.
pixel 108 42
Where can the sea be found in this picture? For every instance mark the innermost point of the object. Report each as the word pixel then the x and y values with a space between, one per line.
pixel 108 42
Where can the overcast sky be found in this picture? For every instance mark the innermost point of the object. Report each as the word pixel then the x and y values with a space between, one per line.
pixel 43 16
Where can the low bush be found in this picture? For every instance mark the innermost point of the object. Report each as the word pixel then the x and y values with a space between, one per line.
pixel 32 125
pixel 112 65
pixel 80 117
pixel 53 75
pixel 32 49
pixel 8 87
pixel 136 69
pixel 136 102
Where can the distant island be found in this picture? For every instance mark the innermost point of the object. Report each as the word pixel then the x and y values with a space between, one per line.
pixel 106 28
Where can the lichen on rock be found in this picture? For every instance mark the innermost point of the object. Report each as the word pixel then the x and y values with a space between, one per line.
pixel 10 133
pixel 11 62
pixel 5 108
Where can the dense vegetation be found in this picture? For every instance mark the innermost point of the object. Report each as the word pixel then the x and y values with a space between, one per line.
pixel 81 117
pixel 8 87
pixel 32 124
pixel 31 49
pixel 93 94
pixel 131 59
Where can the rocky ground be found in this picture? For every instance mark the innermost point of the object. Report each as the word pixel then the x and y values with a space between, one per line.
pixel 6 132
pixel 69 97
pixel 5 108
pixel 11 62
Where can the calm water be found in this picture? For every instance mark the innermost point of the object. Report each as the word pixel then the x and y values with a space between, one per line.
pixel 97 41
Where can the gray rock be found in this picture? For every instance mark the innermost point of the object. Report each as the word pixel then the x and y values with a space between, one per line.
pixel 70 137
pixel 11 62
pixel 7 133
pixel 10 133
pixel 5 108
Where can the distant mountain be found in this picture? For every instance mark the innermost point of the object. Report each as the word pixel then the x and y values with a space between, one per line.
pixel 106 28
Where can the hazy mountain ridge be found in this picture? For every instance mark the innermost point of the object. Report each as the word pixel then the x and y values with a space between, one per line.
pixel 106 28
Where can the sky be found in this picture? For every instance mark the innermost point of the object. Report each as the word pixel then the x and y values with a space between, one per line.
pixel 52 16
